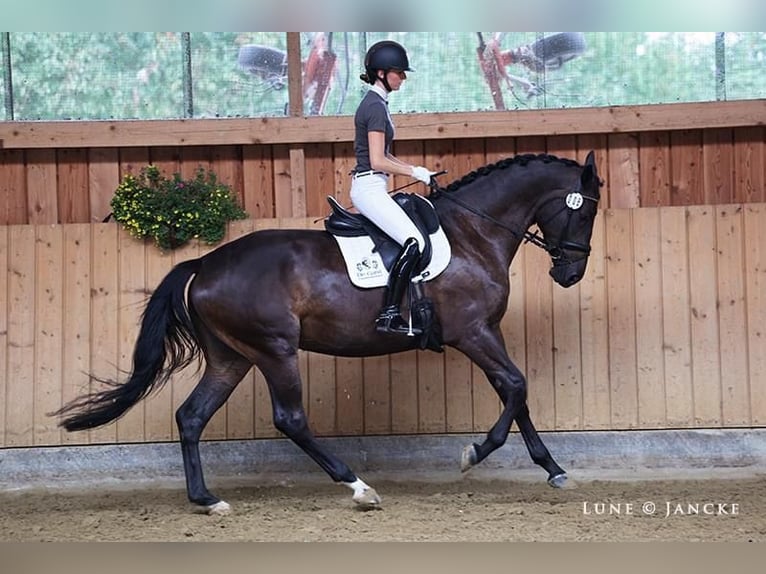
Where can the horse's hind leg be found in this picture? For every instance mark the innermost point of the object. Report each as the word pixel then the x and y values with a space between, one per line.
pixel 283 378
pixel 217 383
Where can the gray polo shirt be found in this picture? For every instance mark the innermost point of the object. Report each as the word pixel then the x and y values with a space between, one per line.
pixel 371 116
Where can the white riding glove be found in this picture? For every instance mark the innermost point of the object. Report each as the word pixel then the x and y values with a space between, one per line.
pixel 422 174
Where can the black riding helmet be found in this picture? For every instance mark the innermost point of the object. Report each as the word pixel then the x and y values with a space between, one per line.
pixel 386 55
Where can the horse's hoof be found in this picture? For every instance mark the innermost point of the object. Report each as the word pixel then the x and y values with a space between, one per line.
pixel 561 481
pixel 468 458
pixel 367 499
pixel 220 508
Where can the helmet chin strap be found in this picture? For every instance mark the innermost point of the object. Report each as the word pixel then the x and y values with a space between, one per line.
pixel 384 79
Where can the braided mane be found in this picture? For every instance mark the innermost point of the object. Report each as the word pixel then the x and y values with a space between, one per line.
pixel 521 160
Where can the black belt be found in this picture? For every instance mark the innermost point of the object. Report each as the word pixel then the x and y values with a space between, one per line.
pixel 368 172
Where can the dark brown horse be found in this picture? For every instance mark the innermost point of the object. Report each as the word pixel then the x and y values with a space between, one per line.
pixel 260 298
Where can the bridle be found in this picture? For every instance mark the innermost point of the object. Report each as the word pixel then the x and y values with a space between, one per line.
pixel 557 249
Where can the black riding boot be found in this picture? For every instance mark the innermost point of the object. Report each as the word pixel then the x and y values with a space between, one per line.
pixel 390 319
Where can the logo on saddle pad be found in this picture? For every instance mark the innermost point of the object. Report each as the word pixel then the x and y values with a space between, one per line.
pixel 369 253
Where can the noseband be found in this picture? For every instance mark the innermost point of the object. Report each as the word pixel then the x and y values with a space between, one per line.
pixel 557 250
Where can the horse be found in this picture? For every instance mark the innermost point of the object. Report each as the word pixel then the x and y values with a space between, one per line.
pixel 299 296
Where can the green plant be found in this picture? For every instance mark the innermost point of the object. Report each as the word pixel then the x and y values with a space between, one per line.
pixel 171 210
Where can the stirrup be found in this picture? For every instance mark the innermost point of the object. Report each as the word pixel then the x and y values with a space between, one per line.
pixel 391 321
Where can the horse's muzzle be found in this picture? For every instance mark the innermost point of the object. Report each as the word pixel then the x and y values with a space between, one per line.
pixel 567 274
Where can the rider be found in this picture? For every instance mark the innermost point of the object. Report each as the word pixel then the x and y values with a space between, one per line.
pixel 386 64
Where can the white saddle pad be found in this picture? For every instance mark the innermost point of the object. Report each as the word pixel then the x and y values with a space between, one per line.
pixel 366 269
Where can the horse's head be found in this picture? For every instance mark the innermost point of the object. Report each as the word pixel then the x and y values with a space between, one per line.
pixel 566 221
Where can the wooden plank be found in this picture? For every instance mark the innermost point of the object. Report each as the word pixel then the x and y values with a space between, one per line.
pixel 654 168
pixel 732 316
pixel 104 315
pixel 73 203
pixel 76 317
pixel 687 186
pixel 42 194
pixel 49 337
pixel 495 149
pixel 623 189
pixel 103 179
pixel 444 125
pixel 283 193
pixel 132 160
pixel 755 287
pixel 298 197
pixel 404 392
pixel 648 288
pixel 749 165
pixel 703 302
pixel 539 338
pixel 257 181
pixel 319 179
pixel 676 325
pixel 13 187
pixel 132 298
pixel 5 309
pixel 718 168
pixel 343 162
pixel 166 159
pixel 158 408
pixel 567 366
pixel 227 163
pixel 377 395
pixel 20 389
pixel 594 321
pixel 432 415
pixel 622 319
pixel 349 400
pixel 295 77
pixel 193 159
pixel 322 393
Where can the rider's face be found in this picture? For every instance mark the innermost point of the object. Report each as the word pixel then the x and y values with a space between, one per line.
pixel 395 78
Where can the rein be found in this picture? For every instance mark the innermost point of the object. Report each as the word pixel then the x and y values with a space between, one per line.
pixel 554 250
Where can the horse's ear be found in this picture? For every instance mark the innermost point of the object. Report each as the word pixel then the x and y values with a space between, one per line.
pixel 589 171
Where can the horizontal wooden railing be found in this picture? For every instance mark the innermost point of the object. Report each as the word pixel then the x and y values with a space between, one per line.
pixel 682 154
pixel 665 331
pixel 336 129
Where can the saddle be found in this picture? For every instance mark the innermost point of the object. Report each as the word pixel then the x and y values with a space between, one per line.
pixel 343 223
pixel 347 226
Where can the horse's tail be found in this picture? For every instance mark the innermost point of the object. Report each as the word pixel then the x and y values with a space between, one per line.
pixel 166 342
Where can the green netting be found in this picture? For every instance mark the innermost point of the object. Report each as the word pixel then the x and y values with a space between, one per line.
pixel 141 75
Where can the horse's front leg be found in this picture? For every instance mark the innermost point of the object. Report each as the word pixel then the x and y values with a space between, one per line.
pixel 487 350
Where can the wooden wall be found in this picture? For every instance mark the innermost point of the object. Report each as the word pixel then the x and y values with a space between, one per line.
pixel 684 154
pixel 665 331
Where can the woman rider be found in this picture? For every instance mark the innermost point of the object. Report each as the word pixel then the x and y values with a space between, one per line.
pixel 386 66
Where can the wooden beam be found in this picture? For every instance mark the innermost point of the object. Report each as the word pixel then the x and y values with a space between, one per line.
pixel 271 130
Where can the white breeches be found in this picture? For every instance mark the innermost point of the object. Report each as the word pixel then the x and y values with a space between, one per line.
pixel 369 194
